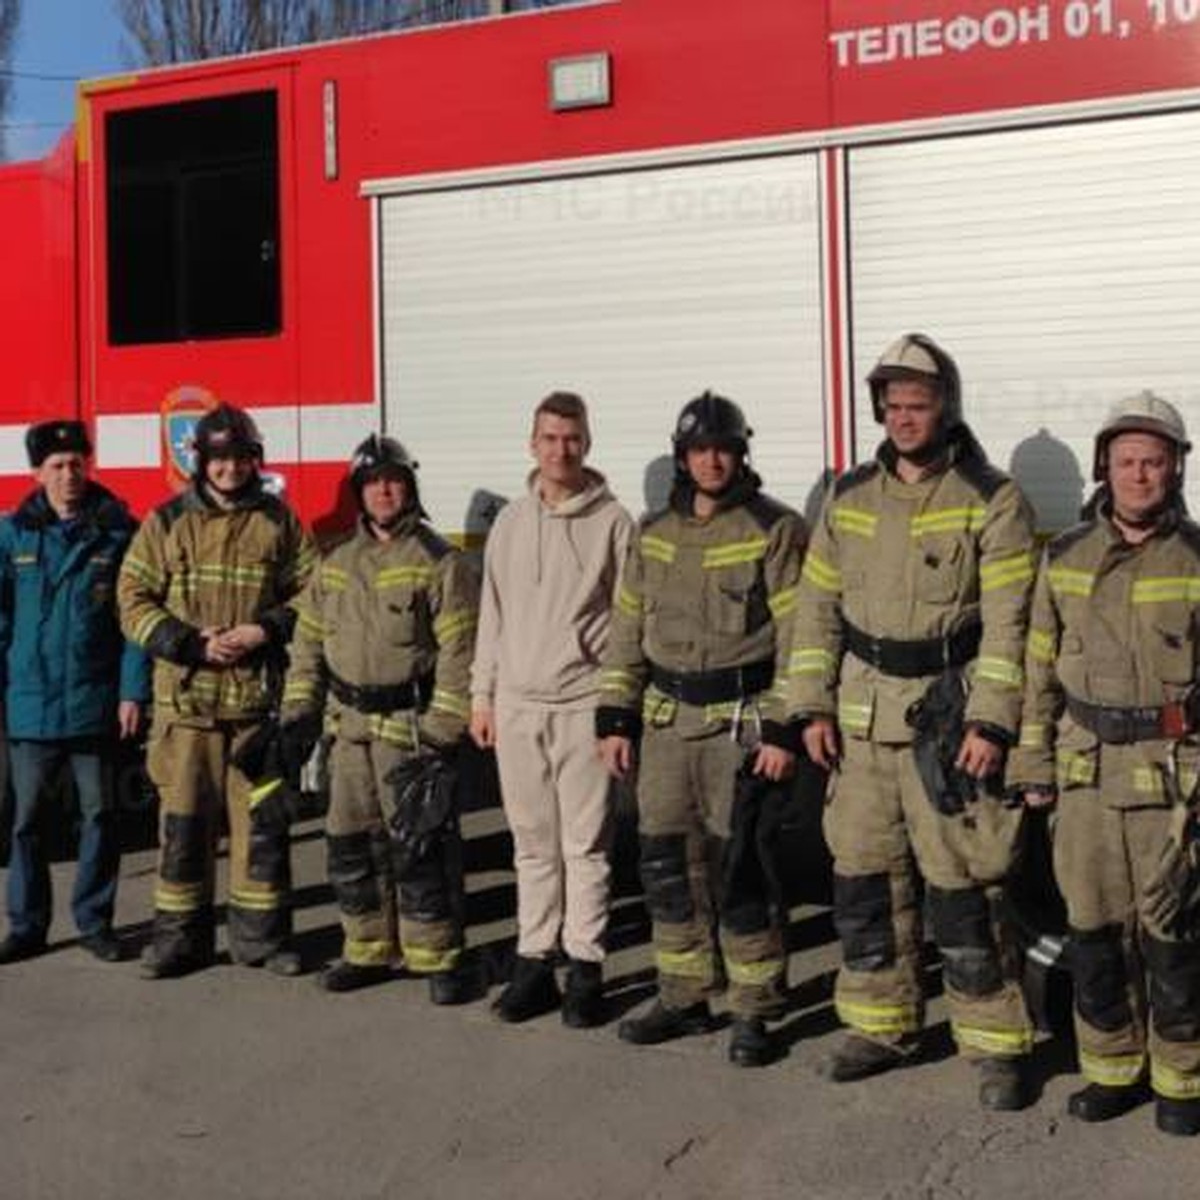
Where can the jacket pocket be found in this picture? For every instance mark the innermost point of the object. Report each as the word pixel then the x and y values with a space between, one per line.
pixel 938 570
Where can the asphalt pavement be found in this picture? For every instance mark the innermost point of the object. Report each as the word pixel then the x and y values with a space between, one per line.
pixel 235 1084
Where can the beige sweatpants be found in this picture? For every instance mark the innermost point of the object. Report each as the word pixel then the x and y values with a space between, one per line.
pixel 556 799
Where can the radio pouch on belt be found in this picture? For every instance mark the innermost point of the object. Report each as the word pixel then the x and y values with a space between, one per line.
pixel 937 721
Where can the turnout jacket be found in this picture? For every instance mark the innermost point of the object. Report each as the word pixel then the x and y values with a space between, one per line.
pixel 915 561
pixel 697 596
pixel 1116 625
pixel 379 614
pixel 64 663
pixel 196 566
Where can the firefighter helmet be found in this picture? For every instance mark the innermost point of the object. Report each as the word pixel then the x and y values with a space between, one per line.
pixel 918 358
pixel 226 432
pixel 1143 413
pixel 711 420
pixel 377 454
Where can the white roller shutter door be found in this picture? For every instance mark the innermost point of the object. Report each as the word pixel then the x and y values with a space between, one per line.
pixel 638 290
pixel 1060 266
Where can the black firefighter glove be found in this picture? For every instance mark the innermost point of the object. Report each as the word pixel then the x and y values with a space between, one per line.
pixel 272 801
pixel 938 722
pixel 425 807
pixel 1172 893
pixel 298 739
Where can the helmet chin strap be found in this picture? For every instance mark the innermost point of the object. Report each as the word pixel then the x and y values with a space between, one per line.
pixel 391 524
pixel 1146 520
pixel 235 493
pixel 925 455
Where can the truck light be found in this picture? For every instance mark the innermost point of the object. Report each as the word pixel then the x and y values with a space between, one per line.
pixel 581 81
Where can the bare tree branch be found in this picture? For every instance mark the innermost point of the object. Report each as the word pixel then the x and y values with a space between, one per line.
pixel 10 16
pixel 166 31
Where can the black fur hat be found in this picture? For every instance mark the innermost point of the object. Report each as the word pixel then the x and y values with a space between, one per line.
pixel 56 437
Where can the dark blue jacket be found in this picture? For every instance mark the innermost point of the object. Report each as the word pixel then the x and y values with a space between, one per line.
pixel 63 661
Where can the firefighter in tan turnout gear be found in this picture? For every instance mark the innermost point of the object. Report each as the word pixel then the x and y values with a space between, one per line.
pixel 383 649
pixel 1110 726
pixel 205 588
pixel 695 665
pixel 907 671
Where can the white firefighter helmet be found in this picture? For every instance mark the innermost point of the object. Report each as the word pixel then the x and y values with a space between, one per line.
pixel 1143 413
pixel 915 356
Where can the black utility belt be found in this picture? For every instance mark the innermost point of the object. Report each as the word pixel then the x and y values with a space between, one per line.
pixel 912 659
pixel 719 686
pixel 382 698
pixel 1119 726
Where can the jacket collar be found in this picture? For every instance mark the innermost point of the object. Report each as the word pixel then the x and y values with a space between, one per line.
pixel 99 510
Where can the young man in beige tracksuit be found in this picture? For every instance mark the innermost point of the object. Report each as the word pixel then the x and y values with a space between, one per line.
pixel 551 567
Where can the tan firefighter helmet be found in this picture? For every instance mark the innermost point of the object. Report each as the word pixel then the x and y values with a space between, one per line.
pixel 918 357
pixel 1143 413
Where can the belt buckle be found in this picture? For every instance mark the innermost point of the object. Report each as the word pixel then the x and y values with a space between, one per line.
pixel 876 647
pixel 1174 721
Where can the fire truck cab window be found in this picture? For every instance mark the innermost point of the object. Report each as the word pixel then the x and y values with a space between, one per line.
pixel 193 220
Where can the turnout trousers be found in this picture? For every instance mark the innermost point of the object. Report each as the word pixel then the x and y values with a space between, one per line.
pixel 195 776
pixel 885 836
pixel 1137 988
pixel 426 928
pixel 714 917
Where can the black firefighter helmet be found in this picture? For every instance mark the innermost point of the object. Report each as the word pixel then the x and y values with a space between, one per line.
pixel 710 420
pixel 379 455
pixel 226 432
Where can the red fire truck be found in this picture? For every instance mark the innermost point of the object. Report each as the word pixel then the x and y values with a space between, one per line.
pixel 637 199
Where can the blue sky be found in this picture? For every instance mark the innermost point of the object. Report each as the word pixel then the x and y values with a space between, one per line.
pixel 79 38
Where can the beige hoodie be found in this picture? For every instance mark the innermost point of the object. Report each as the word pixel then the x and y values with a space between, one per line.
pixel 549 578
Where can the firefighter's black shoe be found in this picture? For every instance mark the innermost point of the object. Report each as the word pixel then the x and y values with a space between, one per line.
pixel 1180 1118
pixel 456 986
pixel 284 962
pixel 1096 1103
pixel 1003 1084
pixel 16 949
pixel 750 1043
pixel 532 992
pixel 102 943
pixel 160 964
pixel 661 1024
pixel 583 998
pixel 859 1058
pixel 343 976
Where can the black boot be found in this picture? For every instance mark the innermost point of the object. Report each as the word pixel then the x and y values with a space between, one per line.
pixel 532 992
pixel 343 976
pixel 1003 1086
pixel 859 1058
pixel 1096 1102
pixel 284 961
pixel 1181 1118
pixel 583 1001
pixel 662 1024
pixel 15 949
pixel 164 964
pixel 459 985
pixel 750 1043
pixel 103 944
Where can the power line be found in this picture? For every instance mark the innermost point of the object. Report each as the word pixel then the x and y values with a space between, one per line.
pixel 37 76
pixel 9 125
